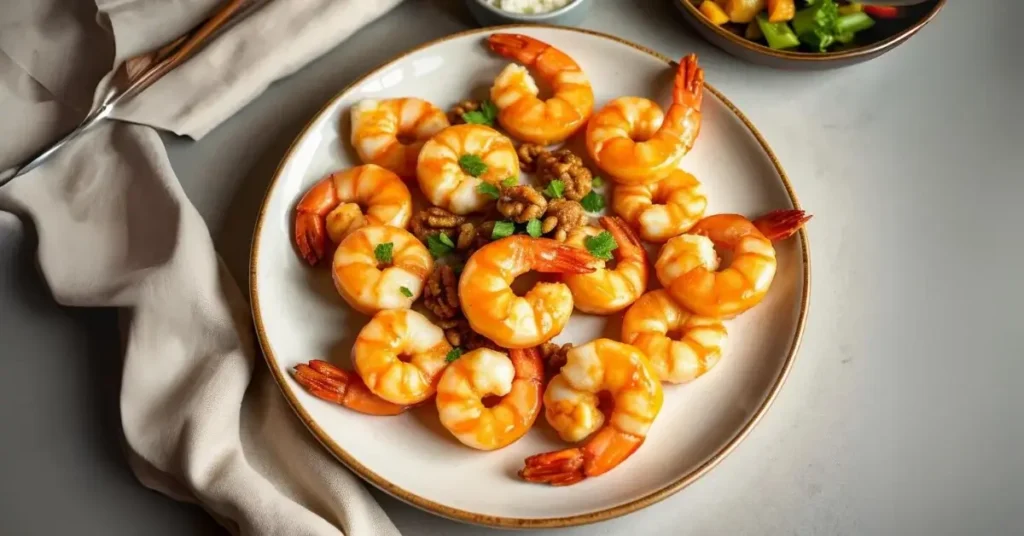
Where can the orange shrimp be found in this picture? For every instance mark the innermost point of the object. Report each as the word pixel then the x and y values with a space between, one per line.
pixel 391 132
pixel 609 290
pixel 328 382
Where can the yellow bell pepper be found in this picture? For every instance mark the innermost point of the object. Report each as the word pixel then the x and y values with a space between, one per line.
pixel 743 11
pixel 781 10
pixel 713 12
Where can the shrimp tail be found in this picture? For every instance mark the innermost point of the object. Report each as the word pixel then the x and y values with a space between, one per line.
pixel 521 48
pixel 689 84
pixel 623 234
pixel 558 468
pixel 310 227
pixel 551 256
pixel 779 225
pixel 602 453
pixel 327 382
pixel 528 363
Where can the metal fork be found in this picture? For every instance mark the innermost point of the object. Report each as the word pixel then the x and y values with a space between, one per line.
pixel 141 72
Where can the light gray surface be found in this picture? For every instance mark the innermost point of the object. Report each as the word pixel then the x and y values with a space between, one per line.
pixel 902 413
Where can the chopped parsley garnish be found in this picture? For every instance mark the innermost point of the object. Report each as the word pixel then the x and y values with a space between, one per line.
pixel 406 292
pixel 488 189
pixel 472 165
pixel 601 246
pixel 503 229
pixel 533 228
pixel 509 181
pixel 384 252
pixel 555 189
pixel 592 202
pixel 453 354
pixel 439 245
pixel 597 182
pixel 486 115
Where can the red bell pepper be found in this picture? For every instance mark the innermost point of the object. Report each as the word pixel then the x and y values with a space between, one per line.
pixel 882 12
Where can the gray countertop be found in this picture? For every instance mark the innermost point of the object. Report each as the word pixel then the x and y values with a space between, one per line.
pixel 902 413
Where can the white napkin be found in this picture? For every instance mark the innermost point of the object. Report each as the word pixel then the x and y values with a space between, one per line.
pixel 200 422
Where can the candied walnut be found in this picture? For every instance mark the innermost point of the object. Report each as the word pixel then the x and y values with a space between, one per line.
pixel 433 220
pixel 458 333
pixel 441 292
pixel 478 237
pixel 528 155
pixel 455 116
pixel 522 203
pixel 565 166
pixel 563 216
pixel 554 357
pixel 467 235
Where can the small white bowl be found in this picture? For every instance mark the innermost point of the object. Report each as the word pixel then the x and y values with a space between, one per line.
pixel 572 14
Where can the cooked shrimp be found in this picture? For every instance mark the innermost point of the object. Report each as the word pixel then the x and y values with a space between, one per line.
pixel 328 382
pixel 688 266
pixel 663 209
pixel 571 406
pixel 487 373
pixel 400 355
pixel 391 132
pixel 331 209
pixel 493 309
pixel 367 281
pixel 649 325
pixel 456 161
pixel 609 290
pixel 615 132
pixel 524 115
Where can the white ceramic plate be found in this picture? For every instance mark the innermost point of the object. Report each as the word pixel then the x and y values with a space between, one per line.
pixel 300 317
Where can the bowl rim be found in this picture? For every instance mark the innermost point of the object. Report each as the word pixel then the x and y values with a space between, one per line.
pixel 859 52
pixel 456 514
pixel 529 17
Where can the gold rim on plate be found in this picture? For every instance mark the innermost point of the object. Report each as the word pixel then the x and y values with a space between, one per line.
pixel 499 521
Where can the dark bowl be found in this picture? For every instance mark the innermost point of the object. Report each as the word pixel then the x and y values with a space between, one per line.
pixel 884 36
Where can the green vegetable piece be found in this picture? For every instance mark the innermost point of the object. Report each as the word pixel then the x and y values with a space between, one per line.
pixel 488 189
pixel 384 252
pixel 601 246
pixel 509 181
pixel 439 245
pixel 406 292
pixel 453 354
pixel 486 115
pixel 555 189
pixel 472 165
pixel 533 228
pixel 592 202
pixel 818 40
pixel 778 34
pixel 816 26
pixel 503 229
pixel 597 182
pixel 853 23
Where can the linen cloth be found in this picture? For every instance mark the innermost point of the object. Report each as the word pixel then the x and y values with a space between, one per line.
pixel 202 418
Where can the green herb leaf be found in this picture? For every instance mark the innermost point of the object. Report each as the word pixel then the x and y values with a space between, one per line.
pixel 384 252
pixel 453 354
pixel 597 182
pixel 488 189
pixel 486 115
pixel 472 165
pixel 510 181
pixel 503 229
pixel 439 245
pixel 601 246
pixel 554 189
pixel 533 228
pixel 406 292
pixel 592 202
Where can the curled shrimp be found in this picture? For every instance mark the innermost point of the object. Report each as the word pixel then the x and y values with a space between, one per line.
pixel 571 406
pixel 482 373
pixel 688 266
pixel 492 307
pixel 456 161
pixel 328 382
pixel 400 355
pixel 524 115
pixel 333 207
pixel 664 209
pixel 650 325
pixel 614 132
pixel 367 282
pixel 609 290
pixel 391 132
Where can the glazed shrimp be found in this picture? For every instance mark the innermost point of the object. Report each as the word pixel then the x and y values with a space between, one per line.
pixel 521 113
pixel 366 282
pixel 648 325
pixel 400 355
pixel 614 132
pixel 454 163
pixel 688 266
pixel 663 209
pixel 328 382
pixel 571 407
pixel 493 309
pixel 484 373
pixel 391 132
pixel 609 290
pixel 331 209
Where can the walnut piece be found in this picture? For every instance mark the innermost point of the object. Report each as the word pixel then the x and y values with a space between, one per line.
pixel 473 237
pixel 522 203
pixel 563 216
pixel 433 220
pixel 455 116
pixel 441 292
pixel 458 333
pixel 554 357
pixel 528 154
pixel 565 166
